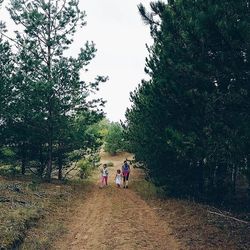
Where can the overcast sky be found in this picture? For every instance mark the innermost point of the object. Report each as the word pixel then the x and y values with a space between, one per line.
pixel 120 36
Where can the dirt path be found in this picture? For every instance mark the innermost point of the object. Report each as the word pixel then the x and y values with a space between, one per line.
pixel 113 218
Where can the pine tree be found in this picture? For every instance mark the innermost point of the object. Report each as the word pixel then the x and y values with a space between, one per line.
pixel 51 92
pixel 188 123
pixel 6 86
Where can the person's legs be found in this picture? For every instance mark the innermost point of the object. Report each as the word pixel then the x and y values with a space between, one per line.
pixel 102 181
pixel 127 180
pixel 106 180
pixel 124 181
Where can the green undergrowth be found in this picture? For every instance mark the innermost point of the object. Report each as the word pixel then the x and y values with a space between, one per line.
pixel 147 190
pixel 110 164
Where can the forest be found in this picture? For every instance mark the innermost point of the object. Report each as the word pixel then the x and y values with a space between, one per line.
pixel 189 123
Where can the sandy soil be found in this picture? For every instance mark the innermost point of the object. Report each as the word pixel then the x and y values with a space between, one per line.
pixel 116 218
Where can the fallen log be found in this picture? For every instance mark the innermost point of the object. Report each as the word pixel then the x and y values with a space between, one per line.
pixel 229 217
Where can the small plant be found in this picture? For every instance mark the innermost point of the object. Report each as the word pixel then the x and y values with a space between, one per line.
pixel 110 164
pixel 33 186
pixel 85 167
pixel 7 153
pixel 147 189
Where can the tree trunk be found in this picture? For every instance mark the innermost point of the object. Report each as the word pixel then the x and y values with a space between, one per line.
pixel 201 178
pixel 60 166
pixel 50 151
pixel 234 176
pixel 42 163
pixel 23 167
pixel 50 134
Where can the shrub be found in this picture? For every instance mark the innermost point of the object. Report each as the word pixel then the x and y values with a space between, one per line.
pixel 10 170
pixel 110 164
pixel 87 165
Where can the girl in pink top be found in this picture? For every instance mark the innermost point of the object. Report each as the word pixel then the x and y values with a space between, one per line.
pixel 104 175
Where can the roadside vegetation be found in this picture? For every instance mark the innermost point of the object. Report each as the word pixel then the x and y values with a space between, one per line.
pixel 196 225
pixel 27 206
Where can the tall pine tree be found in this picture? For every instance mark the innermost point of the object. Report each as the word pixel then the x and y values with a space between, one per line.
pixel 51 93
pixel 188 123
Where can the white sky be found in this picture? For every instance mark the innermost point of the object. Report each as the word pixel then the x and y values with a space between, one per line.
pixel 120 36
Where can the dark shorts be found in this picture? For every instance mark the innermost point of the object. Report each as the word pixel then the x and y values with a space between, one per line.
pixel 125 176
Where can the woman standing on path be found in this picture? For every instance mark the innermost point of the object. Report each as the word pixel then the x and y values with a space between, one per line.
pixel 125 173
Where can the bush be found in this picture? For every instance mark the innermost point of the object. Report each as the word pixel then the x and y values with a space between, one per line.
pixel 147 189
pixel 110 164
pixel 10 170
pixel 34 185
pixel 84 168
pixel 7 154
pixel 87 165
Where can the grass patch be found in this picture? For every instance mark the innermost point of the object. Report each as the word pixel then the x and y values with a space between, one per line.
pixel 43 236
pixel 61 205
pixel 24 202
pixel 19 210
pixel 14 223
pixel 146 190
pixel 190 222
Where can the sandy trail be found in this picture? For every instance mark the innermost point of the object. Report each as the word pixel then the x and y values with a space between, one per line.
pixel 115 218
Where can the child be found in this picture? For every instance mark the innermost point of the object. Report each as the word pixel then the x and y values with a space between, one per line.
pixel 118 178
pixel 104 175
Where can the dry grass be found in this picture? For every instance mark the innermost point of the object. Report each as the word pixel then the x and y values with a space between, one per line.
pixel 199 229
pixel 192 224
pixel 14 223
pixel 145 189
pixel 19 208
pixel 22 205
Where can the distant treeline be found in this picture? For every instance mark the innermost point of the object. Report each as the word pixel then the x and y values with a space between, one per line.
pixel 189 124
pixel 46 114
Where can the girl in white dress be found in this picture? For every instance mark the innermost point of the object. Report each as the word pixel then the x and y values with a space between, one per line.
pixel 118 178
